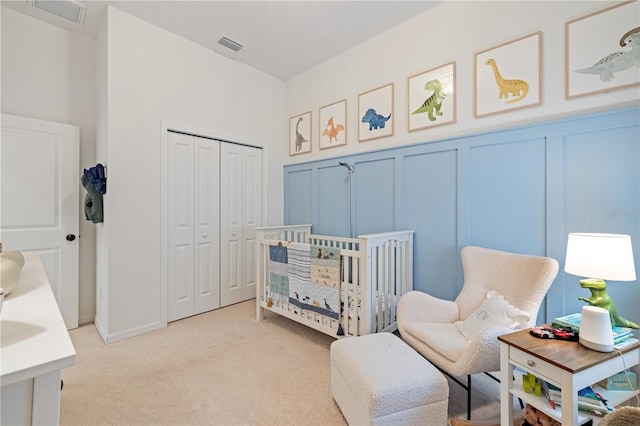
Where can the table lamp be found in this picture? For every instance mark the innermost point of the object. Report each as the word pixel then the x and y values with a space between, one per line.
pixel 600 257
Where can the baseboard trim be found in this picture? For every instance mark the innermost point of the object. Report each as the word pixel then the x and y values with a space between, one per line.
pixel 114 337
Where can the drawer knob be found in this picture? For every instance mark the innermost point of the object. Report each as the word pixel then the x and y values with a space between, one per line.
pixel 531 363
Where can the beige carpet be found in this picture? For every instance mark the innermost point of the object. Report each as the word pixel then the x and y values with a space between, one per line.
pixel 221 368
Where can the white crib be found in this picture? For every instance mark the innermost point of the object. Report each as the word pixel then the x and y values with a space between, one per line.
pixel 375 271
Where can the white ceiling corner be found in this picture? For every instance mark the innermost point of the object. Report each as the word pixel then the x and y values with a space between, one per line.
pixel 280 38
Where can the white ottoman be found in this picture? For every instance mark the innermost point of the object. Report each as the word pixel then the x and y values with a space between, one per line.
pixel 380 380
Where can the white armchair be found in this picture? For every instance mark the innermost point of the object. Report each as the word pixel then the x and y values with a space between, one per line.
pixel 460 336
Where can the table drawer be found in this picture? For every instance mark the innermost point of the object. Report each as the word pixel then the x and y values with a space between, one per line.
pixel 533 364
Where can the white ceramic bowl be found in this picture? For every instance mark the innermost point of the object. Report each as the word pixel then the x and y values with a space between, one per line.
pixel 15 255
pixel 9 274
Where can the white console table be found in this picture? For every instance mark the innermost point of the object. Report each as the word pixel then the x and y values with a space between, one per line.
pixel 34 347
pixel 568 365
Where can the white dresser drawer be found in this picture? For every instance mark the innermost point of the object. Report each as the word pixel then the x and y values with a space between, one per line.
pixel 535 365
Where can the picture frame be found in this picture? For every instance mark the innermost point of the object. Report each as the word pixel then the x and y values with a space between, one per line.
pixel 508 76
pixel 375 113
pixel 332 125
pixel 597 49
pixel 432 98
pixel 300 134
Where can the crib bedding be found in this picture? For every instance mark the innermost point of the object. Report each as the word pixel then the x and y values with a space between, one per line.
pixel 307 275
pixel 339 286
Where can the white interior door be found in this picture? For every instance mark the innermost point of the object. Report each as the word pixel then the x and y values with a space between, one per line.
pixel 40 204
pixel 180 236
pixel 193 221
pixel 252 216
pixel 231 249
pixel 241 196
pixel 207 221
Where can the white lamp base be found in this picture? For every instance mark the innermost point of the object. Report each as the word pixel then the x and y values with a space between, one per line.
pixel 596 346
pixel 595 329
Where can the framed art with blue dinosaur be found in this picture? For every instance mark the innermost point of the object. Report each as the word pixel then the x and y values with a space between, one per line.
pixel 300 134
pixel 432 98
pixel 508 76
pixel 333 125
pixel 375 113
pixel 602 51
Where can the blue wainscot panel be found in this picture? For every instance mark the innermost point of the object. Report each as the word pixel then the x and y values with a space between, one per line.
pixel 374 196
pixel 333 201
pixel 602 194
pixel 431 211
pixel 298 196
pixel 507 196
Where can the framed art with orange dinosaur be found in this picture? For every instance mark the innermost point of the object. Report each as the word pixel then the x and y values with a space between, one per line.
pixel 300 134
pixel 333 125
pixel 375 113
pixel 602 51
pixel 508 76
pixel 432 98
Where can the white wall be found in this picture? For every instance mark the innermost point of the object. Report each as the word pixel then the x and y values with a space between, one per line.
pixel 451 31
pixel 49 74
pixel 154 77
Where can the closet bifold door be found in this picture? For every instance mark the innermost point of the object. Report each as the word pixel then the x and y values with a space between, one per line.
pixel 240 214
pixel 193 194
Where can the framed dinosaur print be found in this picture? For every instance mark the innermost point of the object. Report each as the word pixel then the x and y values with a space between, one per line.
pixel 375 113
pixel 508 76
pixel 432 98
pixel 300 134
pixel 333 125
pixel 602 50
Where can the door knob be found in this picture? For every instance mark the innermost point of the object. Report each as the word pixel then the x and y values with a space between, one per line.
pixel 204 235
pixel 70 237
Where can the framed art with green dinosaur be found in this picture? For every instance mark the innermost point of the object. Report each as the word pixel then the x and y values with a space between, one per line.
pixel 375 113
pixel 602 51
pixel 432 98
pixel 508 76
pixel 300 134
pixel 333 125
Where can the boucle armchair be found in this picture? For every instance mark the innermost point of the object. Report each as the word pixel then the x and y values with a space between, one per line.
pixel 502 291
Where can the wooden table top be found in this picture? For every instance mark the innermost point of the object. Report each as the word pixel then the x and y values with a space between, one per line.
pixel 570 356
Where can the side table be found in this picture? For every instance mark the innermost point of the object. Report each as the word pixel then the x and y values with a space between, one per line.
pixel 567 365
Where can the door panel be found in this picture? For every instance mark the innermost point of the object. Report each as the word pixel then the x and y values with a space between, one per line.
pixel 207 234
pixel 252 215
pixel 241 195
pixel 180 282
pixel 193 221
pixel 40 205
pixel 231 220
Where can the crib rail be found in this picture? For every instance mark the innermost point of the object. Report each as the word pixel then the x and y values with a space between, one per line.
pixel 376 270
pixel 293 233
pixel 385 276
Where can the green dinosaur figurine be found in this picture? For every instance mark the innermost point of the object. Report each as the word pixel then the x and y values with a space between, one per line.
pixel 600 297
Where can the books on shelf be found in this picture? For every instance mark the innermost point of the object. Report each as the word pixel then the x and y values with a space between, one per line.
pixel 625 380
pixel 589 401
pixel 573 320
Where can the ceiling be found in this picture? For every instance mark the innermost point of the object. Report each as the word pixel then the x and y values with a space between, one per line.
pixel 281 38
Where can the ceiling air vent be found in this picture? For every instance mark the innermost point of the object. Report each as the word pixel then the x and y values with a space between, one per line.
pixel 227 42
pixel 67 9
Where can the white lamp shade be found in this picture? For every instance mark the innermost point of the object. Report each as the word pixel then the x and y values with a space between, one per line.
pixel 604 256
pixel 595 329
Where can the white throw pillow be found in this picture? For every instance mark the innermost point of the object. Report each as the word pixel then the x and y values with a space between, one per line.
pixel 495 310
